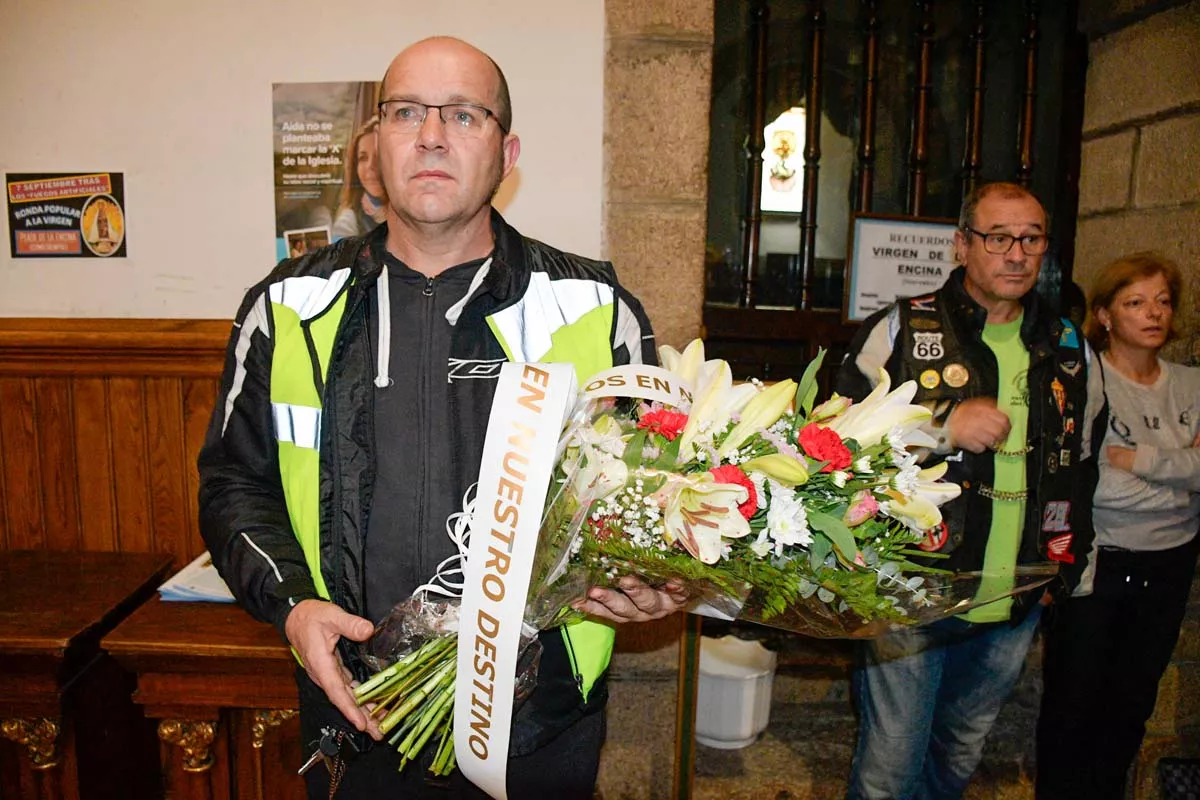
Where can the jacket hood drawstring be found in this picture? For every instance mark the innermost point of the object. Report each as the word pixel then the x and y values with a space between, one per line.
pixel 384 307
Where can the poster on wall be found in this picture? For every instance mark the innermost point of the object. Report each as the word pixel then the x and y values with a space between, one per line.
pixel 893 257
pixel 327 182
pixel 66 214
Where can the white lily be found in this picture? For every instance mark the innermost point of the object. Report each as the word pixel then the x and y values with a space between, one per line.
pixel 701 513
pixel 686 364
pixel 919 509
pixel 763 411
pixel 716 400
pixel 600 475
pixel 782 468
pixel 931 486
pixel 884 413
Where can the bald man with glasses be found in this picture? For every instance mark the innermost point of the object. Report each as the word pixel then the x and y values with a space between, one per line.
pixel 352 415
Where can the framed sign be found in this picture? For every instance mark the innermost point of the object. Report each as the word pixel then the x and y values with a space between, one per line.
pixel 893 257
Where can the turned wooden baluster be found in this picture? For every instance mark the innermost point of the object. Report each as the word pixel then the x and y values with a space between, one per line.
pixel 1028 105
pixel 866 142
pixel 918 154
pixel 752 214
pixel 973 152
pixel 812 149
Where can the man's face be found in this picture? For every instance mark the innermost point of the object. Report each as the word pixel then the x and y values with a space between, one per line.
pixel 998 278
pixel 433 175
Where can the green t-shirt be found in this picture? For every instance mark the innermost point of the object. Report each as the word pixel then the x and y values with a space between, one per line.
pixel 1008 514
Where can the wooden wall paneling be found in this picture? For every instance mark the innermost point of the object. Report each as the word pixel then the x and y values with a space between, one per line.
pixel 199 397
pixel 973 152
pixel 127 426
pixel 3 512
pixel 57 461
pixel 167 457
pixel 22 481
pixel 918 154
pixel 94 465
pixel 866 136
pixel 752 213
pixel 812 149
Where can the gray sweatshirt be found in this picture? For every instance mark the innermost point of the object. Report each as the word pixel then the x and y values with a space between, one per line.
pixel 1157 506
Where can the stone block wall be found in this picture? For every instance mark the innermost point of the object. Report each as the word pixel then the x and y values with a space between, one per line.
pixel 658 74
pixel 1139 184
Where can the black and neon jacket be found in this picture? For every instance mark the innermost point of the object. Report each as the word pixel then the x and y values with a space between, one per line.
pixel 286 471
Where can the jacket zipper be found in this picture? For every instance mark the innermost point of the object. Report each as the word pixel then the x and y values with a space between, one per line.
pixel 423 417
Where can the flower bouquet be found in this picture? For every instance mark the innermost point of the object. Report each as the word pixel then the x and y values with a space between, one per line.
pixel 766 506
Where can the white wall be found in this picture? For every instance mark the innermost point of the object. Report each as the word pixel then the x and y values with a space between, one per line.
pixel 177 95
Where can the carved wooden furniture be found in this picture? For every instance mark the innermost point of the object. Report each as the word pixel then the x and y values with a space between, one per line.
pixel 68 728
pixel 221 688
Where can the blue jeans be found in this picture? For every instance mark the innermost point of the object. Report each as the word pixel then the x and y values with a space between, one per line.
pixel 927 698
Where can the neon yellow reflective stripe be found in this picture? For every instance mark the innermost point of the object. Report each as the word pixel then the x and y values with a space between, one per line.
pixel 300 425
pixel 576 343
pixel 296 404
pixel 299 468
pixel 527 328
pixel 589 646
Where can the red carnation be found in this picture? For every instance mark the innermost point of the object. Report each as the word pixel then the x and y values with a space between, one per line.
pixel 823 444
pixel 731 473
pixel 667 424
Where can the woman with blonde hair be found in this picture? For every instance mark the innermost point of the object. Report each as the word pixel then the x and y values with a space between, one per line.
pixel 1105 651
pixel 363 200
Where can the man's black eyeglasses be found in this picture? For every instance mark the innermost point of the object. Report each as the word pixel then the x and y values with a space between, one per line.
pixel 998 244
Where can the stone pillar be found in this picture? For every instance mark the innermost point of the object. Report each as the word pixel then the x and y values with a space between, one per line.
pixel 657 75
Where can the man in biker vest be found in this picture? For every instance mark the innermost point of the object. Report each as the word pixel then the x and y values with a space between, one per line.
pixel 1014 397
pixel 352 414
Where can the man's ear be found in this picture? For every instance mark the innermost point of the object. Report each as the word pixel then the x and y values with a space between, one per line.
pixel 512 151
pixel 960 247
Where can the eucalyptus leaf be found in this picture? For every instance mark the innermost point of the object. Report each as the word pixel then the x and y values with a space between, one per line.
pixel 837 532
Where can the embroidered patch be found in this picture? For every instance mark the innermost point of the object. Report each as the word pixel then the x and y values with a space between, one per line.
pixel 935 538
pixel 922 303
pixel 925 324
pixel 1068 424
pixel 1064 458
pixel 1052 463
pixel 1068 338
pixel 1059 549
pixel 1060 395
pixel 955 375
pixel 928 346
pixel 1070 367
pixel 930 379
pixel 1056 516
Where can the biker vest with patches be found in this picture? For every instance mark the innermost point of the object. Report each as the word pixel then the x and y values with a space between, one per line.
pixel 940 346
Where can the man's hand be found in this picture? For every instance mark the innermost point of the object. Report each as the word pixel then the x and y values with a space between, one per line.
pixel 977 425
pixel 313 628
pixel 1121 457
pixel 635 602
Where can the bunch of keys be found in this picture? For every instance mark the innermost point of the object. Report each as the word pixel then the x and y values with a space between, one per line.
pixel 327 750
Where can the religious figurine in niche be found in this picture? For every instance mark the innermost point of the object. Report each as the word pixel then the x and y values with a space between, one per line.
pixel 783 175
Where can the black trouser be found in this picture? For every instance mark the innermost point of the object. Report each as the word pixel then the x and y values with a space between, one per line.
pixel 1104 655
pixel 564 768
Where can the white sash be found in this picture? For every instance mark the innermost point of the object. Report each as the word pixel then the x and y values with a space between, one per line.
pixel 530 406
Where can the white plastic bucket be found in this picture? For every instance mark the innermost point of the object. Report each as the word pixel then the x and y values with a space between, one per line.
pixel 733 703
